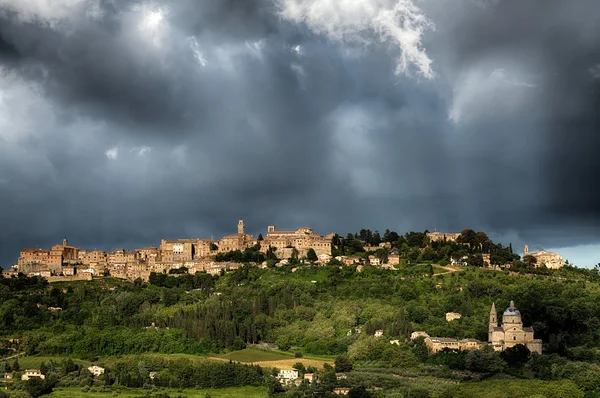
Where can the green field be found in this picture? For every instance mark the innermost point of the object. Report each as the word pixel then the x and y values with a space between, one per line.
pixel 150 355
pixel 254 355
pixel 249 392
pixel 35 361
pixel 258 355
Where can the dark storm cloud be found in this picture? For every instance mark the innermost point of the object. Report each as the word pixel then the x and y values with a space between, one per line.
pixel 175 127
pixel 535 163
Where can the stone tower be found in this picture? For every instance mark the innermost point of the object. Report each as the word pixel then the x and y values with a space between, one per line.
pixel 493 322
pixel 526 251
pixel 65 242
pixel 241 227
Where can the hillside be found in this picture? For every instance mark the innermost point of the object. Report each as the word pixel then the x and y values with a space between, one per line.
pixel 190 331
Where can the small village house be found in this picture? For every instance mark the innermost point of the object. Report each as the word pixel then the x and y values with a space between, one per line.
pixel 96 370
pixel 32 373
pixel 341 391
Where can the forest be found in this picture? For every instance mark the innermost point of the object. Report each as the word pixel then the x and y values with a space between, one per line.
pixel 313 312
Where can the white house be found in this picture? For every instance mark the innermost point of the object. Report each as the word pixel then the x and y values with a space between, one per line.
pixel 96 370
pixel 416 335
pixel 287 375
pixel 450 316
pixel 32 373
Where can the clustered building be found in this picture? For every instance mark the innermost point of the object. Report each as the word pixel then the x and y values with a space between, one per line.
pixel 544 258
pixel 443 236
pixel 507 335
pixel 64 260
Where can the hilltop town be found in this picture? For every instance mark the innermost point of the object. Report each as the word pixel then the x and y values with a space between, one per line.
pixel 64 262
pixel 300 313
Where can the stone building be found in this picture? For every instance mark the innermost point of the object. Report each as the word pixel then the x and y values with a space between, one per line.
pixel 32 373
pixel 544 258
pixel 239 241
pixel 34 260
pixel 511 332
pixel 416 335
pixel 302 239
pixel 441 236
pixel 437 344
pixel 93 259
pixel 450 316
pixel 177 250
pixel 96 370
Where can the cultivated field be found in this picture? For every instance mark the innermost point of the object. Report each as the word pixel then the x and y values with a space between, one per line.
pixel 273 359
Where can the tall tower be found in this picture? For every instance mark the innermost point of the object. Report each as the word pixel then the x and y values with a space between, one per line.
pixel 493 322
pixel 241 227
pixel 525 251
pixel 65 242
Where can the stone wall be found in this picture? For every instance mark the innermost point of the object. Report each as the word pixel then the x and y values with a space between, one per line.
pixel 79 277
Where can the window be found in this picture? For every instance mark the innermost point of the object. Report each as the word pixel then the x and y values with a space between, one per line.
pixel 514 337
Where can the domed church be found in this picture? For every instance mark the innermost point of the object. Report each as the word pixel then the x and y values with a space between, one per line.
pixel 512 331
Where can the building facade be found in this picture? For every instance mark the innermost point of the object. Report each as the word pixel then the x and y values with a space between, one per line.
pixel 544 258
pixel 239 241
pixel 302 239
pixel 511 332
pixel 443 236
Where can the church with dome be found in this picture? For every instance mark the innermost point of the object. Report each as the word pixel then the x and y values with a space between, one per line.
pixel 511 332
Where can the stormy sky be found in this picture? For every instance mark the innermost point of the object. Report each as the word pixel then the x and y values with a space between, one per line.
pixel 124 121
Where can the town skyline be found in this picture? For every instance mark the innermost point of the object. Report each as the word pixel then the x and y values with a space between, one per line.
pixel 568 255
pixel 124 122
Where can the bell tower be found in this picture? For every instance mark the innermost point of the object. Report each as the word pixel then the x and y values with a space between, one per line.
pixel 493 322
pixel 241 227
pixel 526 251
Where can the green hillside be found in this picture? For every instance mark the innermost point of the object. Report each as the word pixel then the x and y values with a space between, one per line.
pixel 308 317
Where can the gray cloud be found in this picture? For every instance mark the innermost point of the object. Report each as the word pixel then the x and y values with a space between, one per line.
pixel 245 113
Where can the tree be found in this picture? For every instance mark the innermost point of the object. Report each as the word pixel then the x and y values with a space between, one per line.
pixel 343 364
pixel 328 379
pixel 359 392
pixel 481 239
pixel 475 260
pixel 294 257
pixel 273 386
pixel 530 260
pixel 415 239
pixel 375 239
pixel 485 360
pixel 467 236
pixel 271 253
pixel 386 236
pixel 37 387
pixel 299 366
pixel 516 356
pixel 70 366
pixel 311 255
pixel 15 366
pixel 336 240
